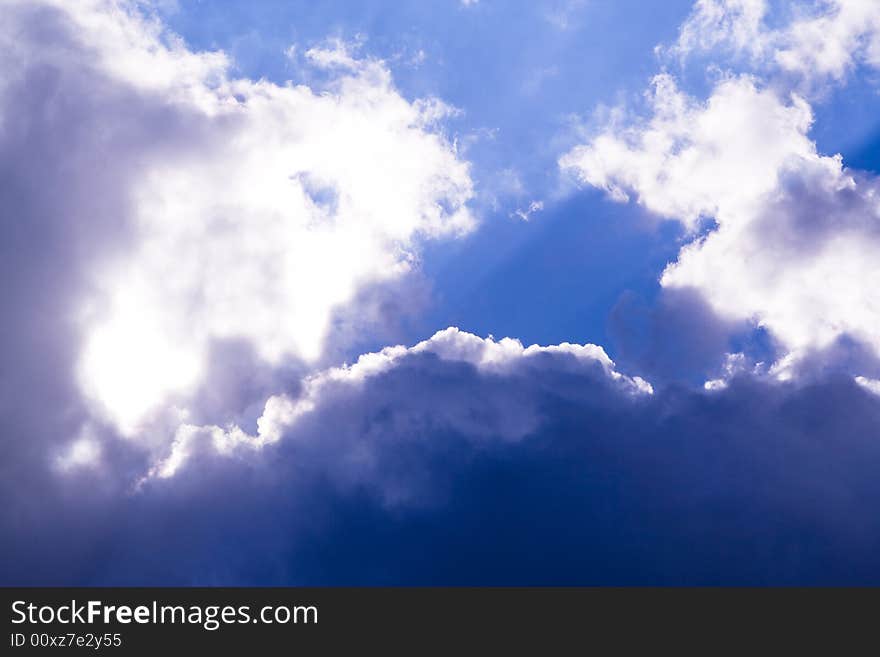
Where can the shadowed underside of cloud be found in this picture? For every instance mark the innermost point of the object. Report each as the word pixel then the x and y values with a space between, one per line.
pixel 678 338
pixel 471 461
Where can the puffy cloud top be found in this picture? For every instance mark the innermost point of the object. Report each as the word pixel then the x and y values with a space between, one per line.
pixel 502 358
pixel 469 461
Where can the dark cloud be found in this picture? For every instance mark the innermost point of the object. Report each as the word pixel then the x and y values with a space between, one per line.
pixel 390 483
pixel 677 337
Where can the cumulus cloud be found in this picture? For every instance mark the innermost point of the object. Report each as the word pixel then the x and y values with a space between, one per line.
pixel 796 234
pixel 487 416
pixel 474 461
pixel 691 160
pixel 247 210
pixel 181 239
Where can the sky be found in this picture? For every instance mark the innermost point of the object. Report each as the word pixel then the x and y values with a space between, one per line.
pixel 448 293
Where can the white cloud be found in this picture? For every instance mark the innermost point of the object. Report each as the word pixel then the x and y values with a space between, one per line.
pixel 833 42
pixel 822 40
pixel 336 53
pixel 714 24
pixel 256 209
pixel 526 213
pixel 691 160
pixel 798 235
pixel 493 357
pixel 84 452
pixel 871 385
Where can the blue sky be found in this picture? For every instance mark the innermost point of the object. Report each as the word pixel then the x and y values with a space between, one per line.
pixel 236 236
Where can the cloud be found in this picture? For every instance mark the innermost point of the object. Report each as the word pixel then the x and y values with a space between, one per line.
pixel 476 461
pixel 526 213
pixel 486 416
pixel 506 463
pixel 737 25
pixel 678 337
pixel 691 160
pixel 871 385
pixel 335 54
pixel 82 453
pixel 821 40
pixel 242 210
pixel 795 235
pixel 190 239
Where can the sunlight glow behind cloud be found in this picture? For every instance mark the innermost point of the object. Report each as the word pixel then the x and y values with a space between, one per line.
pixel 270 208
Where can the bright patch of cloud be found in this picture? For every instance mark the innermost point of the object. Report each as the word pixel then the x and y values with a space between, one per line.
pixel 255 210
pixel 871 385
